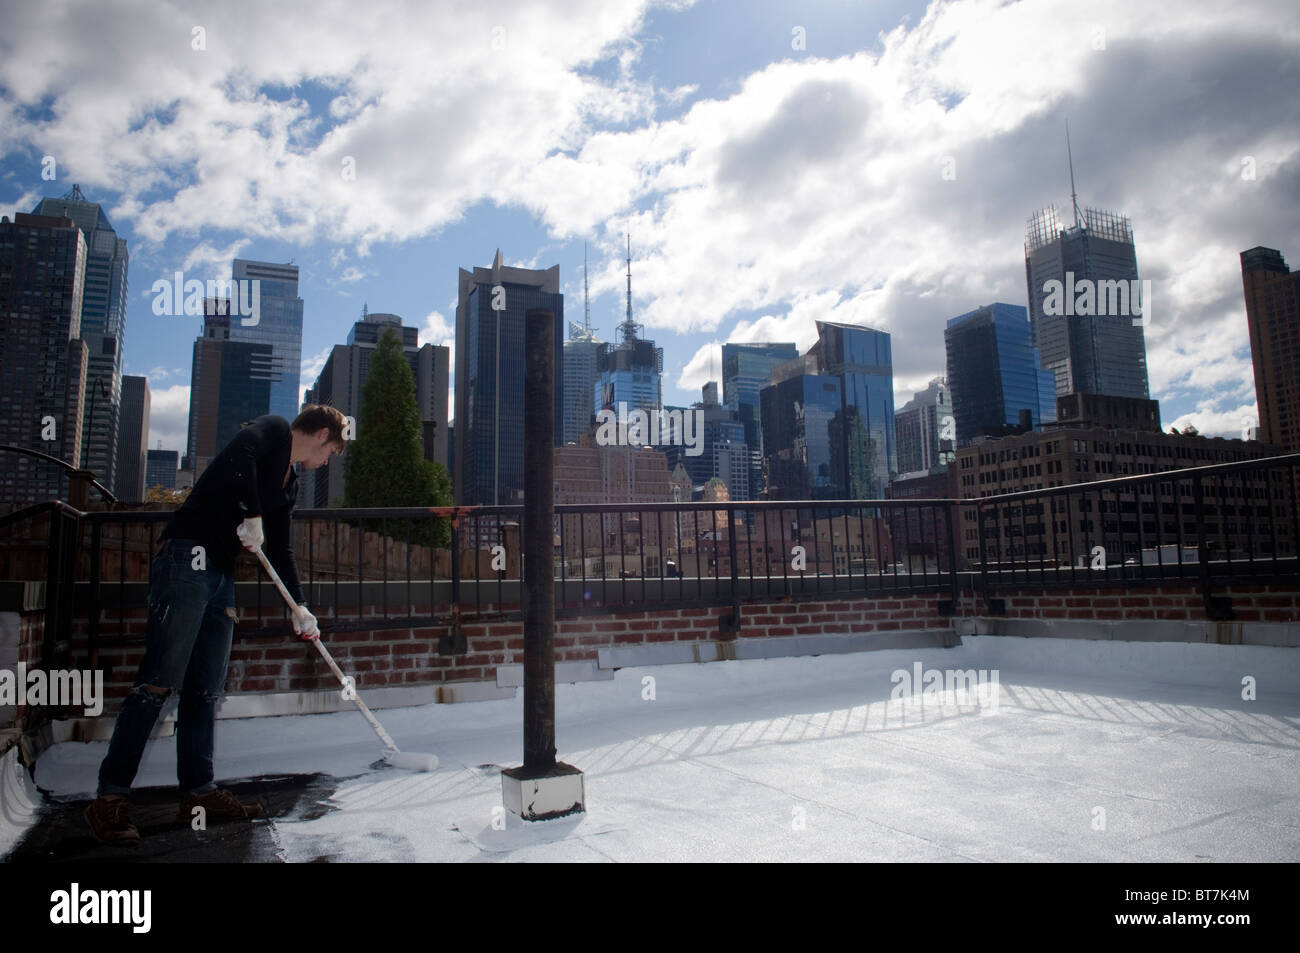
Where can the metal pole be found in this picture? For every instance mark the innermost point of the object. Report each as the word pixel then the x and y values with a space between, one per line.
pixel 538 546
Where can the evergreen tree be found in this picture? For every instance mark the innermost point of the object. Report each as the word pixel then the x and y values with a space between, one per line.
pixel 385 465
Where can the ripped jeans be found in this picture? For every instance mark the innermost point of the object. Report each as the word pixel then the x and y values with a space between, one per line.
pixel 187 649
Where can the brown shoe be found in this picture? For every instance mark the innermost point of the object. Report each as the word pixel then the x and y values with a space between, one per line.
pixel 218 805
pixel 110 823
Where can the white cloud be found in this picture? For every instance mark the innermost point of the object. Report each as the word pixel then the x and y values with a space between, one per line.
pixel 1218 423
pixel 169 415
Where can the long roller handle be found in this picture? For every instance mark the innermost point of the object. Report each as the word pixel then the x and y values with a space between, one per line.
pixel 329 659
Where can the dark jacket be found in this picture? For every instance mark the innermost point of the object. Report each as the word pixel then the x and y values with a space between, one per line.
pixel 245 479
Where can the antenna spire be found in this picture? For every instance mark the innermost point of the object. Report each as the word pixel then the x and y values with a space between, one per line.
pixel 1074 197
pixel 629 327
pixel 586 294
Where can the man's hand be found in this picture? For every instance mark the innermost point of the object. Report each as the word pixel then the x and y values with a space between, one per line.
pixel 304 623
pixel 250 533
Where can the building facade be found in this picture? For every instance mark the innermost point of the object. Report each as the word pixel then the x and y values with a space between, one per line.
pixel 133 439
pixel 926 430
pixel 746 370
pixel 160 469
pixel 489 435
pixel 43 359
pixel 230 384
pixel 103 327
pixel 994 374
pixel 342 381
pixel 1272 292
pixel 1089 335
pixel 1241 516
pixel 279 325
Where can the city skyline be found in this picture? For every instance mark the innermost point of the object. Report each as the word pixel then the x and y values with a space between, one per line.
pixel 758 152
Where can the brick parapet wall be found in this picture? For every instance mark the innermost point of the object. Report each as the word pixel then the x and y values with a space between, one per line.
pixel 411 656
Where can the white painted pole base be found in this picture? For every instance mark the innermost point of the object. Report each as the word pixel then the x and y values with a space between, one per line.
pixel 556 793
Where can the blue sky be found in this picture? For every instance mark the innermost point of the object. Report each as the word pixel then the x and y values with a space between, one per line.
pixel 776 163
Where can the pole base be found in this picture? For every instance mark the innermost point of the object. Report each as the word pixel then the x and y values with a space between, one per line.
pixel 541 796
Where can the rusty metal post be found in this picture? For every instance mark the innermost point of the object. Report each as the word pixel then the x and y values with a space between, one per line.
pixel 538 545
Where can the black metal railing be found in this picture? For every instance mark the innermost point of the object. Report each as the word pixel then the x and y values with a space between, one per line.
pixel 1212 525
pixel 405 567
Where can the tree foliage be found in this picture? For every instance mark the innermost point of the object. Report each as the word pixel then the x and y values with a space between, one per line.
pixel 385 464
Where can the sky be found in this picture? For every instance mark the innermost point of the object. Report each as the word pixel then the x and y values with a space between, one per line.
pixel 774 163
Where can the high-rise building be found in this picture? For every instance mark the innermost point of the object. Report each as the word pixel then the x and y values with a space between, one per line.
pixel 581 370
pixel 630 373
pixel 279 325
pixel 343 379
pixel 230 384
pixel 133 439
pixel 1272 292
pixel 834 418
pixel 42 356
pixel 160 469
pixel 920 429
pixel 103 327
pixel 862 358
pixel 719 450
pixel 803 457
pixel 994 372
pixel 489 435
pixel 746 370
pixel 1087 328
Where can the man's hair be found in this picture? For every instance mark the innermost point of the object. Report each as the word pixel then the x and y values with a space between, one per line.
pixel 316 416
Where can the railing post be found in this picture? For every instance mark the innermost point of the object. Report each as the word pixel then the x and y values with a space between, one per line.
pixel 729 626
pixel 92 633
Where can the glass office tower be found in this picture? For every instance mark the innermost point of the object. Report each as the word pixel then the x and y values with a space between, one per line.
pixel 1086 353
pixel 802 436
pixel 489 432
pixel 279 325
pixel 994 372
pixel 103 327
pixel 862 358
pixel 746 370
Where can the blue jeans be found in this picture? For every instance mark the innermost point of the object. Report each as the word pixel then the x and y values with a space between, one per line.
pixel 187 649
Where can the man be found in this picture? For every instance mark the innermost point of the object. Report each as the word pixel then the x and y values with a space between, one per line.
pixel 245 498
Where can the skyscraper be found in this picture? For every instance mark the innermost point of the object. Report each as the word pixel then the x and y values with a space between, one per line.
pixel 230 384
pixel 1089 341
pixel 920 427
pixel 581 360
pixel 161 467
pixel 42 356
pixel 832 417
pixel 1272 292
pixel 133 439
pixel 343 379
pixel 279 325
pixel 994 372
pixel 862 358
pixel 719 449
pixel 489 433
pixel 103 327
pixel 632 372
pixel 746 370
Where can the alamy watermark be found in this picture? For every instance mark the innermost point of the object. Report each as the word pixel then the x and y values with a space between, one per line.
pixel 965 686
pixel 55 689
pixel 637 428
pixel 1099 298
pixel 235 296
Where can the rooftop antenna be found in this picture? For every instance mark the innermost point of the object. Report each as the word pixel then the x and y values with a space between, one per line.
pixel 1074 197
pixel 74 194
pixel 629 327
pixel 586 294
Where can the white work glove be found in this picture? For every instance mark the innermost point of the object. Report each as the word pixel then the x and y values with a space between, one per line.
pixel 250 534
pixel 304 623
